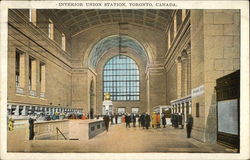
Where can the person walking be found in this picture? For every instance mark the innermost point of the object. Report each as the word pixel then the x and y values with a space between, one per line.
pixel 189 125
pixel 163 120
pixel 134 120
pixel 112 117
pixel 139 120
pixel 147 120
pixel 143 121
pixel 116 118
pixel 127 120
pixel 154 120
pixel 158 120
pixel 31 128
pixel 106 120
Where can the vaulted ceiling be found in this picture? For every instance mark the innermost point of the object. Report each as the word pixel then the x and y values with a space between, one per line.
pixel 115 42
pixel 78 20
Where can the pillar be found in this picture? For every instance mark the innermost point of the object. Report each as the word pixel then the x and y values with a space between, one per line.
pixel 188 50
pixel 185 111
pixel 184 76
pixel 178 76
pixel 33 74
pixel 169 41
pixel 24 111
pixel 190 107
pixel 17 111
pixel 175 25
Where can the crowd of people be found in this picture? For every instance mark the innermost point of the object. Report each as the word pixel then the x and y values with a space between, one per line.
pixel 156 120
pixel 132 120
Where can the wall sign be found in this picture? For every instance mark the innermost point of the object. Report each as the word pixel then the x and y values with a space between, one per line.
pixel 197 91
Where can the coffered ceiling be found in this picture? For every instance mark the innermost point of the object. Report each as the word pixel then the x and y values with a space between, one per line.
pixel 78 20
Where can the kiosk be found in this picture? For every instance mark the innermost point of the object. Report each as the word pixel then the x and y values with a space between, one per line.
pixel 107 105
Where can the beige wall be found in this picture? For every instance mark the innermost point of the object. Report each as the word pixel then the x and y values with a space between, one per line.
pixel 79 89
pixel 171 86
pixel 81 82
pixel 215 51
pixel 58 70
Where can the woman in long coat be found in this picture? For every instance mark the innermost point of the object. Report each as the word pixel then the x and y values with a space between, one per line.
pixel 154 120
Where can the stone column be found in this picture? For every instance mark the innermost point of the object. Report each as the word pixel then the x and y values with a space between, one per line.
pixel 34 74
pixel 185 111
pixel 190 107
pixel 49 110
pixel 24 111
pixel 22 70
pixel 9 109
pixel 17 111
pixel 184 75
pixel 178 74
pixel 188 51
pixel 175 25
pixel 169 41
pixel 181 108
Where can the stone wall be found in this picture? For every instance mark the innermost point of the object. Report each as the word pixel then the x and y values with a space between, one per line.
pixel 156 87
pixel 171 86
pixel 215 51
pixel 80 89
pixel 40 47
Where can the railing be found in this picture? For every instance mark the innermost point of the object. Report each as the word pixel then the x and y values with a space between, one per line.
pixel 58 130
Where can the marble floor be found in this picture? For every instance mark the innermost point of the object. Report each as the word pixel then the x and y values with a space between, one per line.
pixel 120 139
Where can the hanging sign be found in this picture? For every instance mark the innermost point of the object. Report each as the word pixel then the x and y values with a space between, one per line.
pixel 197 91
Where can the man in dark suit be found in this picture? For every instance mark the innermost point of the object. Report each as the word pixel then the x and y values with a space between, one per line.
pixel 189 125
pixel 127 120
pixel 143 120
pixel 31 128
pixel 147 120
pixel 163 119
pixel 106 121
pixel 134 120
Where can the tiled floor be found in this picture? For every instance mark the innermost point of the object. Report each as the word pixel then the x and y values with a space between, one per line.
pixel 131 140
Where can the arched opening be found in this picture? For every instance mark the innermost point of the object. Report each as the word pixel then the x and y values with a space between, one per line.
pixel 121 79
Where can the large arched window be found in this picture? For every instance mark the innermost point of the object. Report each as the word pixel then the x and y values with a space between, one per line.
pixel 121 79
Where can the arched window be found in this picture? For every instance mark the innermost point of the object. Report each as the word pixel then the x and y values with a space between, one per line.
pixel 121 79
